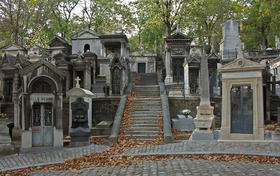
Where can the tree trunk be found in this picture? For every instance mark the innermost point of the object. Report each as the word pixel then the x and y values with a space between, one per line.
pixel 264 38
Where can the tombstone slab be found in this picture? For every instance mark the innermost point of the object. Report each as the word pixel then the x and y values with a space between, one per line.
pixel 183 124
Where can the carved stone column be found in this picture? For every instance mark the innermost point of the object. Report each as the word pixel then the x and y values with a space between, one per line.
pixel 186 79
pixel 168 78
pixel 87 78
pixel 205 117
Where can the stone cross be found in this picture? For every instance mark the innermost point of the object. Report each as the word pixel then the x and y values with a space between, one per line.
pixel 204 81
pixel 78 82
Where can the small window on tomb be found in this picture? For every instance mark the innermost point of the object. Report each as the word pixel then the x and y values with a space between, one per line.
pixel 86 48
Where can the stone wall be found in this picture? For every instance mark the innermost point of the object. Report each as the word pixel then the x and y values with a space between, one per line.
pixel 177 104
pixel 104 109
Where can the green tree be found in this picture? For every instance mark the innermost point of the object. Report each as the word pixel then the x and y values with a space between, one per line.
pixel 204 18
pixel 105 15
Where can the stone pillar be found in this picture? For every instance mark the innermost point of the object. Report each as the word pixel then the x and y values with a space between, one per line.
pixel 58 128
pixel 168 78
pixel 23 112
pixel 102 50
pixel 186 79
pixel 123 49
pixel 68 80
pixel 205 117
pixel 15 100
pixel 273 87
pixel 87 78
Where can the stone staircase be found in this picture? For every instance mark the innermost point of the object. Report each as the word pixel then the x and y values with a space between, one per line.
pixel 145 122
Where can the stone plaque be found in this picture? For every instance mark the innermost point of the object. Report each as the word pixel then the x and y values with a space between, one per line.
pixel 79 113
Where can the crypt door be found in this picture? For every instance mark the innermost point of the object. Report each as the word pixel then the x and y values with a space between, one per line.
pixel 42 124
pixel 116 81
pixel 141 67
pixel 242 109
pixel 178 69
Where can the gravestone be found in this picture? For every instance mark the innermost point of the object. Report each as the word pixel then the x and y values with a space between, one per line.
pixel 182 123
pixel 80 131
pixel 80 114
pixel 229 44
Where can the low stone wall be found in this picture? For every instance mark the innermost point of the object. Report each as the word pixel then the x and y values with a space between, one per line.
pixel 117 120
pixel 166 114
pixel 104 109
pixel 177 104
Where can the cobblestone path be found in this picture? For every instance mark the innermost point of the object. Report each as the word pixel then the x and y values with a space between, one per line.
pixel 210 147
pixel 176 167
pixel 43 158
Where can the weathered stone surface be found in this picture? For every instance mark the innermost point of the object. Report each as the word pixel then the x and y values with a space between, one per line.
pixel 182 123
pixel 230 40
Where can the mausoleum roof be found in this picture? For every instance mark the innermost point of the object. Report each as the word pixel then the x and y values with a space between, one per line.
pixel 80 92
pixel 241 64
pixel 178 36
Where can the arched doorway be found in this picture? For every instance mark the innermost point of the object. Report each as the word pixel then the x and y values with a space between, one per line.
pixel 42 111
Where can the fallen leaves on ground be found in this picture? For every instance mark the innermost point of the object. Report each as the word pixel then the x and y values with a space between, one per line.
pixel 271 127
pixel 98 140
pixel 109 159
pixel 181 135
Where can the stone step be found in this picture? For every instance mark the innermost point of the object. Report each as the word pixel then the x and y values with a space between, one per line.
pixel 150 117
pixel 142 137
pixel 148 121
pixel 144 118
pixel 143 125
pixel 147 94
pixel 134 104
pixel 141 121
pixel 147 108
pixel 145 99
pixel 141 132
pixel 152 129
pixel 146 112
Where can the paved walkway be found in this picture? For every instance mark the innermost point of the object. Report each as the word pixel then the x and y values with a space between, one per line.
pixel 267 148
pixel 176 167
pixel 16 161
pixel 171 167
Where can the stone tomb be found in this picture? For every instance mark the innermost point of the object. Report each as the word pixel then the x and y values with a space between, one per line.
pixel 80 115
pixel 242 99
